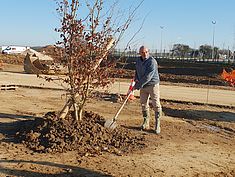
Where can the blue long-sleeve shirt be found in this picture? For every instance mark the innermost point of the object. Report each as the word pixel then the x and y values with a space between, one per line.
pixel 146 72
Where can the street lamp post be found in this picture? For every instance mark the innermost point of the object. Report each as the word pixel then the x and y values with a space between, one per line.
pixel 213 41
pixel 161 40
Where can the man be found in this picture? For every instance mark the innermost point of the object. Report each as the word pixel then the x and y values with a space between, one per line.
pixel 147 81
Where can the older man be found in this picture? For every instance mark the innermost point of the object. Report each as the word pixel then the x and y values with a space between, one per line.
pixel 147 81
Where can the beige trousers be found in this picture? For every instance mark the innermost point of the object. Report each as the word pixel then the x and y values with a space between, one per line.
pixel 152 92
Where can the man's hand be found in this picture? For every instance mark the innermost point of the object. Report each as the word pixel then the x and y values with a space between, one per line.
pixel 136 86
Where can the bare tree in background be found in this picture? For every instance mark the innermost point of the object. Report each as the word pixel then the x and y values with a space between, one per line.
pixel 86 42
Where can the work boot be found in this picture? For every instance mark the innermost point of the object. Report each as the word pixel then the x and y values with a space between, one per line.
pixel 157 122
pixel 145 125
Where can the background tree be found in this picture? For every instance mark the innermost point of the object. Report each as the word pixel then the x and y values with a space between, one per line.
pixel 181 50
pixel 86 42
pixel 206 51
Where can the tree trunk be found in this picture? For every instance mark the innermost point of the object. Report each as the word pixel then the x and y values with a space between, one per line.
pixel 80 114
pixel 75 108
pixel 65 109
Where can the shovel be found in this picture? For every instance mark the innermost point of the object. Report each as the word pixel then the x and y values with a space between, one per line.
pixel 112 123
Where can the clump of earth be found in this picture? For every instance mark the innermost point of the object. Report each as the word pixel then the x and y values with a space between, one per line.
pixel 51 134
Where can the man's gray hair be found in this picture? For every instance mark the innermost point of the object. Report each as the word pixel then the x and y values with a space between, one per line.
pixel 143 47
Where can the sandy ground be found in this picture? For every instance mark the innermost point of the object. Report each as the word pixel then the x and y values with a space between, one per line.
pixel 196 139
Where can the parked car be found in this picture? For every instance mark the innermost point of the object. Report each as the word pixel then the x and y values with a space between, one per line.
pixel 13 49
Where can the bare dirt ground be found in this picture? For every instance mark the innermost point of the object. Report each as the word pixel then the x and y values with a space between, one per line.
pixel 196 140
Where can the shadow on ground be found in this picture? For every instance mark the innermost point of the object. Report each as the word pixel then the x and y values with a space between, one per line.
pixel 200 114
pixel 67 170
pixel 16 116
pixel 9 129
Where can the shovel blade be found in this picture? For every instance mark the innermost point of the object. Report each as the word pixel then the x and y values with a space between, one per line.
pixel 110 124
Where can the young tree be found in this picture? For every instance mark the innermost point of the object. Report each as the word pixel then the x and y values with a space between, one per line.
pixel 86 42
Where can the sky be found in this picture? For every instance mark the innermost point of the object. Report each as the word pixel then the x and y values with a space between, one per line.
pixel 165 22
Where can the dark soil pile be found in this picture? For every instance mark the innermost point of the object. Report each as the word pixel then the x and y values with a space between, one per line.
pixel 51 134
pixel 204 80
pixel 195 73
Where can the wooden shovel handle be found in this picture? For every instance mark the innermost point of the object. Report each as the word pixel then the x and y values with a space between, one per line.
pixel 119 110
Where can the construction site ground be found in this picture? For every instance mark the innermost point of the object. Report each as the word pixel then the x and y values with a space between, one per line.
pixel 197 138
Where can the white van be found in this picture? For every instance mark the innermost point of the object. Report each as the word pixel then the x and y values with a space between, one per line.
pixel 13 49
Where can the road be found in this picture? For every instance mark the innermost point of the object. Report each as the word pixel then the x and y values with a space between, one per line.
pixel 180 93
pixel 169 92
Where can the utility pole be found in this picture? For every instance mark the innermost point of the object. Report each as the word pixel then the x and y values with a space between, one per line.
pixel 213 41
pixel 161 40
pixel 233 50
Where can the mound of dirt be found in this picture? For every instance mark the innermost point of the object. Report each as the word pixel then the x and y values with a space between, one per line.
pixel 52 51
pixel 12 59
pixel 1 65
pixel 51 134
pixel 204 80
